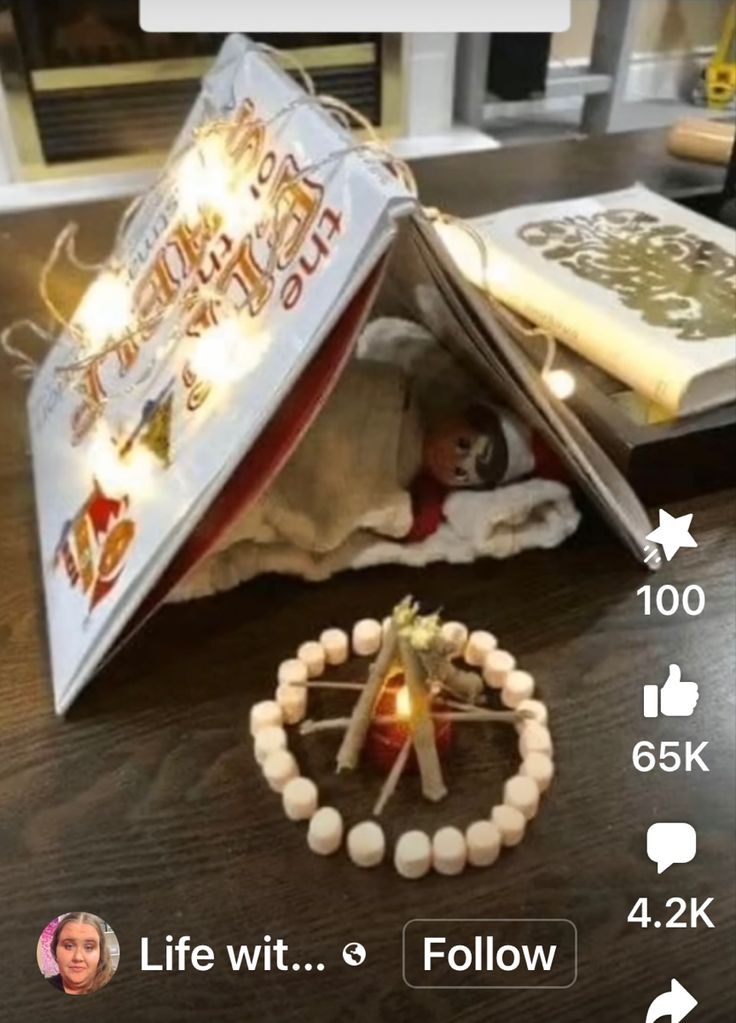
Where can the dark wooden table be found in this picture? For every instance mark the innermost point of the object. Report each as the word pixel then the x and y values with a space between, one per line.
pixel 145 806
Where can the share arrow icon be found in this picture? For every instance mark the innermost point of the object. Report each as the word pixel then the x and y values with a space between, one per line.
pixel 675 1004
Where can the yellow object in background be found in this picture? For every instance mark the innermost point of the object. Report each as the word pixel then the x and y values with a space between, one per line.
pixel 720 75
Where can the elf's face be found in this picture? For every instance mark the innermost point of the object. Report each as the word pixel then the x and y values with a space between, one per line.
pixel 468 450
pixel 454 452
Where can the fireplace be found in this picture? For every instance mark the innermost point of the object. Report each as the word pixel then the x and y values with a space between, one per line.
pixel 87 90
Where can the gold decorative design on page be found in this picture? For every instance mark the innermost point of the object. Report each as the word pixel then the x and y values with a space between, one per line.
pixel 671 276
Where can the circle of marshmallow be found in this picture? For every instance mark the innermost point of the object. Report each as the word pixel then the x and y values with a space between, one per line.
pixel 483 840
pixel 449 851
pixel 267 712
pixel 279 768
pixel 413 855
pixel 497 666
pixel 456 635
pixel 300 798
pixel 523 793
pixel 268 740
pixel 335 645
pixel 540 768
pixel 479 645
pixel 367 637
pixel 324 836
pixel 510 822
pixel 366 844
pixel 312 656
pixel 517 687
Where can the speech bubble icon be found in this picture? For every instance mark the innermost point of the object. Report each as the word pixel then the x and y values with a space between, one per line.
pixel 671 843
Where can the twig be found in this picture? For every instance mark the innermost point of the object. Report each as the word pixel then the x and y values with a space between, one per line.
pixel 354 738
pixel 392 779
pixel 356 686
pixel 422 726
pixel 328 724
pixel 508 717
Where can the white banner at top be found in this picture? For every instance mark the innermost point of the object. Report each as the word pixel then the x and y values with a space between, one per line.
pixel 339 16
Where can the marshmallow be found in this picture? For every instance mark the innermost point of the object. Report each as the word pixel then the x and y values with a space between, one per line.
pixel 536 709
pixel 324 836
pixel 268 740
pixel 335 645
pixel 312 656
pixel 534 738
pixel 291 672
pixel 293 703
pixel 510 822
pixel 367 637
pixel 279 768
pixel 540 768
pixel 456 635
pixel 518 686
pixel 522 793
pixel 449 851
pixel 478 647
pixel 267 712
pixel 366 844
pixel 413 855
pixel 497 665
pixel 300 799
pixel 484 843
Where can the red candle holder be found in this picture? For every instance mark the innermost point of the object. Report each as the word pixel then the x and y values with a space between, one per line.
pixel 385 741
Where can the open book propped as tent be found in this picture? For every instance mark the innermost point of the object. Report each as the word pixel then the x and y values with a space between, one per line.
pixel 204 349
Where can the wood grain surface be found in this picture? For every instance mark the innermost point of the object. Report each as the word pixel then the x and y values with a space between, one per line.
pixel 145 806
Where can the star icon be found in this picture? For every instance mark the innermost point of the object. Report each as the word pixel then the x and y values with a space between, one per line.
pixel 672 533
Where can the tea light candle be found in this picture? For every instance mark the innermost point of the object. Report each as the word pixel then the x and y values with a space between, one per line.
pixel 510 822
pixel 456 635
pixel 522 793
pixel 413 855
pixel 449 851
pixel 279 768
pixel 312 656
pixel 265 713
pixel 483 840
pixel 540 768
pixel 324 836
pixel 268 740
pixel 292 671
pixel 497 666
pixel 335 645
pixel 293 703
pixel 519 686
pixel 300 798
pixel 367 637
pixel 478 647
pixel 366 844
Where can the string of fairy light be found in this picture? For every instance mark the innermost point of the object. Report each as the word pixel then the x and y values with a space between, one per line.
pixel 211 196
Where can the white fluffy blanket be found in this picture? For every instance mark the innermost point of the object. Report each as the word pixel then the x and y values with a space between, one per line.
pixel 342 501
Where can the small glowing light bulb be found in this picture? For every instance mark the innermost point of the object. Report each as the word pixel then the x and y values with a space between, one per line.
pixel 215 354
pixel 227 350
pixel 106 308
pixel 204 180
pixel 118 474
pixel 403 702
pixel 560 382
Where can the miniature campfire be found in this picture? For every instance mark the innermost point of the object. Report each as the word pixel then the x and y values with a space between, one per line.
pixel 415 693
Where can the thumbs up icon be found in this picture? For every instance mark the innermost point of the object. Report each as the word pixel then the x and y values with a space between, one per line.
pixel 675 699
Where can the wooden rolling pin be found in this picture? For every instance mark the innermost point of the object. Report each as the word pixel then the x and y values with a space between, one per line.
pixel 702 140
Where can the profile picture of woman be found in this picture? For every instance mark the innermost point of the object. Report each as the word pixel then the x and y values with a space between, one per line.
pixel 78 953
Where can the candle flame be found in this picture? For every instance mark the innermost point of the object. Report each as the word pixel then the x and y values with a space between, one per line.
pixel 403 702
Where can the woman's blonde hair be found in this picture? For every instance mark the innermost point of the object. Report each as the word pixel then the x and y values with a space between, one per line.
pixel 104 966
